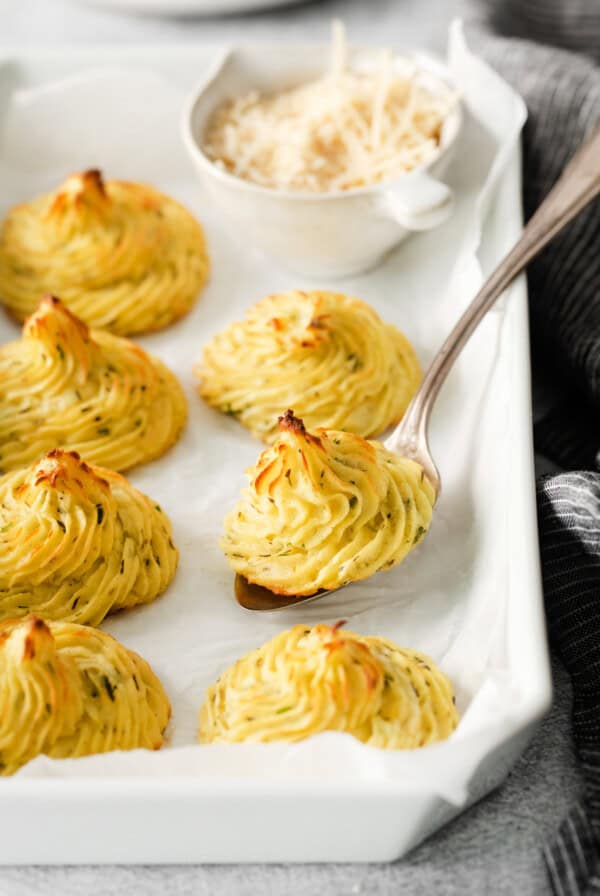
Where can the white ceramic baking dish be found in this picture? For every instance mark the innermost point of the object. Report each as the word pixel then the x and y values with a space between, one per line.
pixel 471 595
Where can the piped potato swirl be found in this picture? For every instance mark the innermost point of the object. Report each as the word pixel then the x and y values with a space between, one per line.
pixel 79 542
pixel 62 385
pixel 327 355
pixel 121 255
pixel 69 690
pixel 323 509
pixel 307 680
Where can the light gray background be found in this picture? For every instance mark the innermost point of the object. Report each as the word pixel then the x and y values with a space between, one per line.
pixel 494 848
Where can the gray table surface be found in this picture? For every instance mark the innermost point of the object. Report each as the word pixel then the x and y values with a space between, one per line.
pixel 496 846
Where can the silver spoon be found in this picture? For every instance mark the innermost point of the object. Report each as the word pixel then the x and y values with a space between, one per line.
pixel 576 187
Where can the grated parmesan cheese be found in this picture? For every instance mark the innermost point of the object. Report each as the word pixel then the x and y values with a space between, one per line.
pixel 350 128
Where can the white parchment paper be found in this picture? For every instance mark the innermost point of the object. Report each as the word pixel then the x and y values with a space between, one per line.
pixel 448 599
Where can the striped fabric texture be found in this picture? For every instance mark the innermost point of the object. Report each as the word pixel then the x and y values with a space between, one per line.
pixel 550 51
pixel 569 519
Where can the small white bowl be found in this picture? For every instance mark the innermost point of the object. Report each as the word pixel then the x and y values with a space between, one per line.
pixel 334 234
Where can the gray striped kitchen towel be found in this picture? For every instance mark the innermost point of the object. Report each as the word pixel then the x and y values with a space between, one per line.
pixel 550 51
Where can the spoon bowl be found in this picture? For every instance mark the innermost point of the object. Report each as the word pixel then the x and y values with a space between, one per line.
pixel 257 597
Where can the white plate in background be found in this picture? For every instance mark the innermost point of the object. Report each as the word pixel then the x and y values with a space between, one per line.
pixel 187 7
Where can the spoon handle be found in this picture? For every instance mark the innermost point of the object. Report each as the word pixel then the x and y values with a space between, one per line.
pixel 577 186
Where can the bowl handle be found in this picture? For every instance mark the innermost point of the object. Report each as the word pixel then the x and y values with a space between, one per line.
pixel 417 202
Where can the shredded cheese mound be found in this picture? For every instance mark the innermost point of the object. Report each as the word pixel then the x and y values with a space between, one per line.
pixel 348 129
